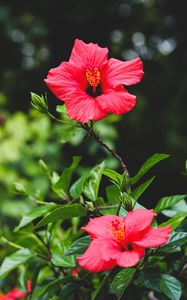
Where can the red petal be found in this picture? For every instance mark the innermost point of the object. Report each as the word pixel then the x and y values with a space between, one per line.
pixel 120 72
pixel 117 101
pixel 83 108
pixel 16 294
pixel 64 79
pixel 29 286
pixel 129 258
pixel 99 227
pixel 154 237
pixel 4 297
pixel 136 221
pixel 92 260
pixel 86 55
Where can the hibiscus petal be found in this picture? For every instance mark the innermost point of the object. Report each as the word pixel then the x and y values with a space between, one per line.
pixel 129 258
pixel 64 79
pixel 16 294
pixel 117 101
pixel 83 108
pixel 109 249
pixel 86 55
pixel 92 260
pixel 136 221
pixel 154 237
pixel 99 227
pixel 123 72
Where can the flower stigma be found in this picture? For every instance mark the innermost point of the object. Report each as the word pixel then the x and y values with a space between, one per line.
pixel 117 230
pixel 93 77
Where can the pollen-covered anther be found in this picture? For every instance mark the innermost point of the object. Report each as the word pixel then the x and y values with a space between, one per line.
pixel 93 76
pixel 117 230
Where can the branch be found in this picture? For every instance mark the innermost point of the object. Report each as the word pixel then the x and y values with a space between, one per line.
pixel 99 140
pixel 107 207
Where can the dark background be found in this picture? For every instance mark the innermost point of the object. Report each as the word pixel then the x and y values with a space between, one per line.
pixel 37 35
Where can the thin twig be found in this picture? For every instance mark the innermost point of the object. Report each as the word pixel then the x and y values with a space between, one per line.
pixel 49 255
pixel 99 140
pixel 107 207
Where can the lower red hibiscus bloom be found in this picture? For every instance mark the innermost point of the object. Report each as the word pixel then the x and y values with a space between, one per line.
pixel 118 241
pixel 91 85
pixel 15 294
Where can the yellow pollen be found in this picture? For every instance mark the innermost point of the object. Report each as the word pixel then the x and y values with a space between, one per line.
pixel 117 230
pixel 93 76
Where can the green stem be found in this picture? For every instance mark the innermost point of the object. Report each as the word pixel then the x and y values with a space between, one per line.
pixel 4 240
pixel 56 119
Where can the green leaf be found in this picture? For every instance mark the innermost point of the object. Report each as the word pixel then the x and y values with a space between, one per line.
pixel 35 213
pixel 92 182
pixel 69 133
pixel 121 281
pixel 151 162
pixel 61 109
pixel 171 287
pixel 135 194
pixel 52 287
pixel 115 176
pixel 77 186
pixel 176 239
pixel 149 280
pixel 30 241
pixel 70 128
pixel 79 246
pixel 168 201
pixel 15 260
pixel 63 182
pixel 69 289
pixel 63 212
pixel 176 209
pixel 175 221
pixel 58 258
pixel 113 194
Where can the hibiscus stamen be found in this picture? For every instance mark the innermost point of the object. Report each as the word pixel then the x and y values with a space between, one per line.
pixel 93 77
pixel 117 230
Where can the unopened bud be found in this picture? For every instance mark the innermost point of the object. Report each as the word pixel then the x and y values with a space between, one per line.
pixel 90 205
pixel 75 271
pixel 81 200
pixel 20 189
pixel 127 201
pixel 39 103
pixel 43 165
pixel 125 183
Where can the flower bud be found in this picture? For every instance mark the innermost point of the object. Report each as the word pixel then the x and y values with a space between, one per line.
pixel 125 183
pixel 20 189
pixel 90 205
pixel 127 201
pixel 43 166
pixel 39 103
pixel 75 271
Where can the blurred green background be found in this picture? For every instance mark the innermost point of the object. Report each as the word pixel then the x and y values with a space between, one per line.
pixel 37 35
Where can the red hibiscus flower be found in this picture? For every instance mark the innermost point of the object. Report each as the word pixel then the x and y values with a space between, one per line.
pixel 15 294
pixel 91 85
pixel 118 241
